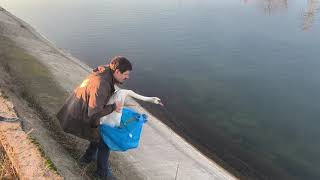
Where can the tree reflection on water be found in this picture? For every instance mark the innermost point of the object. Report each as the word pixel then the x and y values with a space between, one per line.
pixel 309 14
pixel 272 6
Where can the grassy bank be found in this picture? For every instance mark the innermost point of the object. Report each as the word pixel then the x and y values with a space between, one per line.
pixel 33 82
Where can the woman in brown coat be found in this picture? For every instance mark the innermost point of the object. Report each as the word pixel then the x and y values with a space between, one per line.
pixel 88 103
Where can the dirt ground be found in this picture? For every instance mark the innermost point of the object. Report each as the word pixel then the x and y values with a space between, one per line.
pixel 6 170
pixel 24 157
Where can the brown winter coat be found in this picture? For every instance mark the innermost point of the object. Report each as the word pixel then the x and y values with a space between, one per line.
pixel 87 104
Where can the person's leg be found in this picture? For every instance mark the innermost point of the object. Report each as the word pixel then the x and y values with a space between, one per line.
pixel 90 153
pixel 103 157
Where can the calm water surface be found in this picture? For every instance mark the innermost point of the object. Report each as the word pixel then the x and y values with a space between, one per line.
pixel 240 77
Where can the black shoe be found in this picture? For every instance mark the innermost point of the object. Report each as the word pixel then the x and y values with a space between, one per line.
pixel 85 159
pixel 98 176
pixel 104 176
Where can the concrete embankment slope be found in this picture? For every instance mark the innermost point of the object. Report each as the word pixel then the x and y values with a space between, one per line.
pixel 162 154
pixel 22 152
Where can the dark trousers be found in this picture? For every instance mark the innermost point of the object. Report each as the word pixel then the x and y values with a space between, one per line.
pixel 103 156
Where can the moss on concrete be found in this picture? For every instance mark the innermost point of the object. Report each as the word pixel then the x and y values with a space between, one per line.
pixel 35 82
pixel 49 164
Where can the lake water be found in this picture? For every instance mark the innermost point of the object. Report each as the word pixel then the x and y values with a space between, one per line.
pixel 240 77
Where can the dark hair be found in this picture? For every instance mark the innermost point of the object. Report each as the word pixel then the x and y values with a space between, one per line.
pixel 121 63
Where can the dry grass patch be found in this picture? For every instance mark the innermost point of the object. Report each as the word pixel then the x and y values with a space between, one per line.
pixel 7 170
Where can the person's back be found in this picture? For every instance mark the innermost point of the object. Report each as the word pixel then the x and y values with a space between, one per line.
pixel 77 116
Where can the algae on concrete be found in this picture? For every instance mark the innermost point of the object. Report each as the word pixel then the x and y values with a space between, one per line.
pixel 35 82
